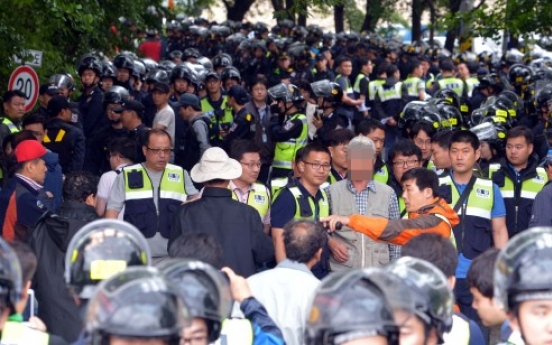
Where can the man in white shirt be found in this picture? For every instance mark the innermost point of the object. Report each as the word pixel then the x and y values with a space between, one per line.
pixel 164 118
pixel 286 291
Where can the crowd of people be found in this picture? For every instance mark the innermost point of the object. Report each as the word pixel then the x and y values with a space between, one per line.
pixel 237 184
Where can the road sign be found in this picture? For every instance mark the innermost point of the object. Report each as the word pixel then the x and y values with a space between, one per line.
pixel 33 57
pixel 24 79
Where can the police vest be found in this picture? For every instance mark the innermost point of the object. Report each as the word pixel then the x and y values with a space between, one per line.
pixel 285 150
pixel 305 207
pixel 430 79
pixel 348 88
pixel 221 119
pixel 412 87
pixel 382 175
pixel 452 83
pixel 402 208
pixel 236 332
pixel 356 85
pixel 11 126
pixel 277 184
pixel 140 208
pixel 16 333
pixel 373 88
pixel 473 234
pixel 56 140
pixel 392 93
pixel 257 198
pixel 518 198
pixel 471 83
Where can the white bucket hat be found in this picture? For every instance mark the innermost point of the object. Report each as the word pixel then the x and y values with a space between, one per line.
pixel 215 164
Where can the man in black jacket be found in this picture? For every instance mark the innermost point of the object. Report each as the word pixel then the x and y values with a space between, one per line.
pixel 49 240
pixel 237 226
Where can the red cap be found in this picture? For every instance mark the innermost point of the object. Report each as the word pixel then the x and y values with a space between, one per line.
pixel 28 150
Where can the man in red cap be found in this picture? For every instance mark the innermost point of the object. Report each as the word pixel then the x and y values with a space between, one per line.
pixel 24 200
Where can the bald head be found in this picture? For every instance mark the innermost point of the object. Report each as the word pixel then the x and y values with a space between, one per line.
pixel 303 239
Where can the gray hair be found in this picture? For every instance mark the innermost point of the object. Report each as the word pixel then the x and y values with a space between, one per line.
pixel 363 144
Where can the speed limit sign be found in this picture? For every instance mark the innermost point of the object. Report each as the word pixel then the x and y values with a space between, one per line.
pixel 24 79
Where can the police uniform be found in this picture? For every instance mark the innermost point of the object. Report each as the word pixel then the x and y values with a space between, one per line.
pixel 277 184
pixel 343 108
pixel 67 141
pixel 519 191
pixel 414 85
pixel 221 117
pixel 244 127
pixel 91 108
pixel 290 136
pixel 372 89
pixel 471 83
pixel 6 128
pixel 140 208
pixel 452 83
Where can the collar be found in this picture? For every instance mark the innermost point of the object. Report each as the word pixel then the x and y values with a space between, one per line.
pixel 371 186
pixel 319 196
pixel 216 192
pixel 233 187
pixel 294 265
pixel 32 183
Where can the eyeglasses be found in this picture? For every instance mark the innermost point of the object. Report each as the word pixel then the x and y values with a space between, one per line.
pixel 251 165
pixel 317 166
pixel 157 152
pixel 408 163
pixel 422 143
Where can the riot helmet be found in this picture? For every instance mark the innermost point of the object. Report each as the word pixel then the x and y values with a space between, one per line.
pixel 329 91
pixel 116 94
pixel 89 62
pixel 11 278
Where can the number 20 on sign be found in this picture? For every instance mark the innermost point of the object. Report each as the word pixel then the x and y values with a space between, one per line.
pixel 25 79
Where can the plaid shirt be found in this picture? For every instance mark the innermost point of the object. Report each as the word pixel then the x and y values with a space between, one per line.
pixel 361 199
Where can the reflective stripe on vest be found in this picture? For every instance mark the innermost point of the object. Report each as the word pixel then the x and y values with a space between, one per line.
pixel 170 187
pixel 382 175
pixel 323 206
pixel 59 137
pixel 412 86
pixel 257 198
pixel 388 94
pixel 218 123
pixel 359 78
pixel 286 150
pixel 452 83
pixel 16 333
pixel 480 200
pixel 529 188
pixel 277 184
pixel 236 332
pixel 348 88
pixel 373 88
pixel 402 207
pixel 472 83
pixel 13 128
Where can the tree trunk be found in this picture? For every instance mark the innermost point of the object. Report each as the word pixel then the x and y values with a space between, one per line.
pixel 302 18
pixel 373 14
pixel 278 5
pixel 238 10
pixel 339 18
pixel 417 9
pixel 290 13
pixel 454 6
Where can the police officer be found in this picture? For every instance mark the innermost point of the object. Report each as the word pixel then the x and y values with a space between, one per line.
pixel 414 83
pixel 138 305
pixel 327 118
pixel 125 65
pixel 375 131
pixel 245 126
pixel 303 199
pixel 91 100
pixel 449 81
pixel 519 178
pixel 480 206
pixel 288 126
pixel 151 192
pixel 64 138
pixel 360 86
pixel 337 318
pixel 14 109
pixel 132 113
pixel 215 105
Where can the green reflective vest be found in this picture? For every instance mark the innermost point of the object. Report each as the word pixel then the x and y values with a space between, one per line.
pixel 356 85
pixel 314 212
pixel 221 119
pixel 285 151
pixel 382 175
pixel 236 331
pixel 257 198
pixel 277 184
pixel 412 85
pixel 394 92
pixel 373 88
pixel 348 87
pixel 452 83
pixel 472 83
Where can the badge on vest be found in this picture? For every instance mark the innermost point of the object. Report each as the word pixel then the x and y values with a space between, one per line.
pixel 381 172
pixel 484 193
pixel 173 177
pixel 288 126
pixel 260 199
pixel 539 179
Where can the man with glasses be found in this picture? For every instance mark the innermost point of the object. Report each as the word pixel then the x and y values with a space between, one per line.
pixel 245 188
pixel 303 200
pixel 151 192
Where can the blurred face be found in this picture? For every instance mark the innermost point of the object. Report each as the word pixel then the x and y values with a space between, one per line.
pixel 128 341
pixel 339 155
pixel 283 64
pixel 463 71
pixel 440 156
pixel 107 83
pixel 534 321
pixel 89 78
pixel 64 91
pixel 251 166
pixel 158 152
pixel 414 198
pixel 463 157
pixel 486 151
pixel 378 137
pixel 346 68
pixel 315 168
pixel 259 93
pixel 180 85
pixel 425 67
pixel 159 98
pixel 518 151
pixel 321 64
pixel 423 141
pixel 15 108
pixel 361 164
pixel 127 118
pixel 402 164
pixel 123 74
pixel 37 129
pixel 489 313
pixel 186 112
pixel 196 333
pixel 412 331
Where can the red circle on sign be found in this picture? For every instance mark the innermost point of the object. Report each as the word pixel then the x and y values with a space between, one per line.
pixel 25 79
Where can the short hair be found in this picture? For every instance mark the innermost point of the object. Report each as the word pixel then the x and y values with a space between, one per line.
pixel 422 126
pixel 156 131
pixel 302 239
pixel 447 65
pixel 22 136
pixel 241 147
pixel 124 147
pixel 521 131
pixel 413 64
pixel 27 259
pixel 480 274
pixel 79 185
pixel 382 67
pixel 473 66
pixel 8 95
pixel 367 126
pixel 363 60
pixel 259 80
pixel 344 59
pixel 425 178
pixel 406 148
pixel 197 246
pixel 314 147
pixel 299 155
pixel 390 70
pixel 442 139
pixel 34 118
pixel 338 137
pixel 435 249
pixel 465 136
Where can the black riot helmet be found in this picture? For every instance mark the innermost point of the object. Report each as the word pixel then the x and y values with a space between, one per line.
pixel 230 72
pixel 139 70
pixel 222 60
pixel 522 270
pixel 204 290
pixel 349 305
pixel 544 98
pixel 62 81
pixel 150 64
pixel 182 72
pixel 448 95
pixel 433 299
pixel 329 91
pixel 158 75
pixel 116 94
pixel 108 70
pixel 519 74
pixel 11 279
pixel 451 118
pixel 411 114
pixel 89 62
pixel 124 61
pixel 167 65
pixel 99 250
pixel 288 93
pixel 136 303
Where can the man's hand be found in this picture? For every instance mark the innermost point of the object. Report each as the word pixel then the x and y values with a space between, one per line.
pixel 317 122
pixel 238 285
pixel 338 249
pixel 330 223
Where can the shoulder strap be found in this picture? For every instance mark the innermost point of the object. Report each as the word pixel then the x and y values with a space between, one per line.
pixel 465 194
